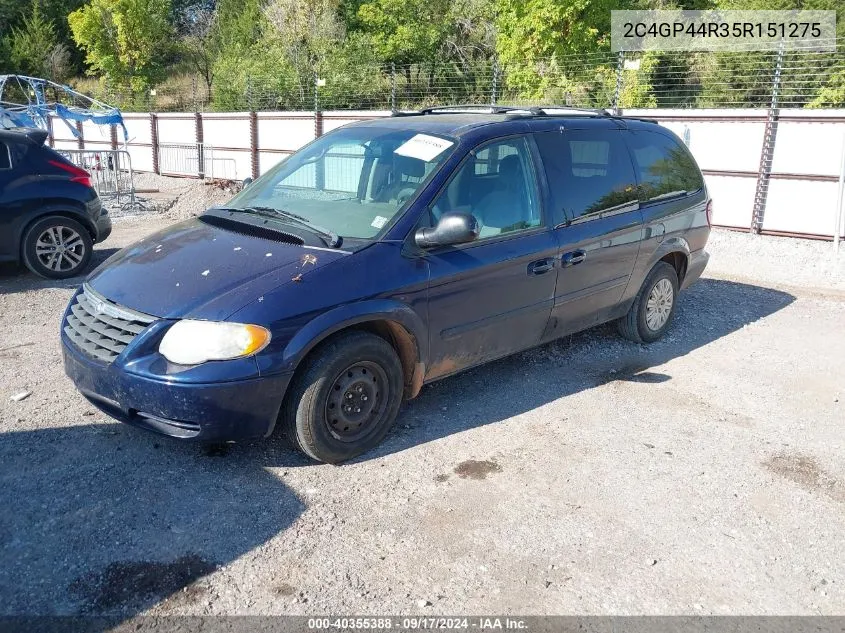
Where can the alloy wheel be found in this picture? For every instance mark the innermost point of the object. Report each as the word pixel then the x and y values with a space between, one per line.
pixel 659 304
pixel 60 248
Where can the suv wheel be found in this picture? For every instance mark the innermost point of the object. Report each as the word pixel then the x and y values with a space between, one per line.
pixel 57 248
pixel 346 398
pixel 654 307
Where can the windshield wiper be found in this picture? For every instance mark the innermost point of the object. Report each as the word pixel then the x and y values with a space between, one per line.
pixel 329 237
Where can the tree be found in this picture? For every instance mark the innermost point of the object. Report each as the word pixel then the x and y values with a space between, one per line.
pixel 530 30
pixel 307 29
pixel 200 43
pixel 125 40
pixel 31 45
pixel 406 31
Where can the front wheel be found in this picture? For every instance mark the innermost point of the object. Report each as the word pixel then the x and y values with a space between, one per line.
pixel 57 247
pixel 654 306
pixel 345 399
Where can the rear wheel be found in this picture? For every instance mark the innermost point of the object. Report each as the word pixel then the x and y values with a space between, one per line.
pixel 345 399
pixel 57 248
pixel 654 306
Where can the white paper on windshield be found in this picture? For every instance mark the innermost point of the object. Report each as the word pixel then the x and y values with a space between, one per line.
pixel 423 147
pixel 379 222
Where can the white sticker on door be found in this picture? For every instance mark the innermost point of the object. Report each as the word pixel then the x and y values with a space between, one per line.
pixel 423 147
pixel 378 222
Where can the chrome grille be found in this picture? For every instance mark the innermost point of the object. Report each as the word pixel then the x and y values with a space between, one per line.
pixel 100 328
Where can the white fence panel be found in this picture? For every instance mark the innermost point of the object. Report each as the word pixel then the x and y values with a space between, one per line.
pixel 177 128
pixel 801 206
pixel 733 200
pixel 284 131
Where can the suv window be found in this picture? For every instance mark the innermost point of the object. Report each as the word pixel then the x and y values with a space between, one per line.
pixel 589 171
pixel 5 156
pixel 496 184
pixel 664 166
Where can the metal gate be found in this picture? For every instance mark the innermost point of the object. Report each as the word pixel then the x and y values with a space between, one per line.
pixel 111 172
pixel 194 159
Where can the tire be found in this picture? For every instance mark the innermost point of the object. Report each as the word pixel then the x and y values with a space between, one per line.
pixel 73 241
pixel 647 322
pixel 358 368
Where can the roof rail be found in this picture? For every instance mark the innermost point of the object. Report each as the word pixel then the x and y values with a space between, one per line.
pixel 597 111
pixel 534 110
pixel 492 109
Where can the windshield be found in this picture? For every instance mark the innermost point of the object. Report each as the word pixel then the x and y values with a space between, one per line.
pixel 351 182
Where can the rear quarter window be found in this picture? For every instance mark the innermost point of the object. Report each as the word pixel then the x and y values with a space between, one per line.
pixel 663 165
pixel 5 156
pixel 589 171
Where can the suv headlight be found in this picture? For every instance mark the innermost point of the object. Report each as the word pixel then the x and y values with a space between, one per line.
pixel 190 342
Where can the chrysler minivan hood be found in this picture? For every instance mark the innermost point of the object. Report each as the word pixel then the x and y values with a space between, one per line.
pixel 197 270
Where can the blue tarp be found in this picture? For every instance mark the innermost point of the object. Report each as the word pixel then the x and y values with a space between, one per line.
pixel 36 112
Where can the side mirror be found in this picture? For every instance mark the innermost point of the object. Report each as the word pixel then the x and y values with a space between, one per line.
pixel 453 228
pixel 246 182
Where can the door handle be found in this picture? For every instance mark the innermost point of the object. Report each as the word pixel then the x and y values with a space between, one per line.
pixel 541 266
pixel 572 258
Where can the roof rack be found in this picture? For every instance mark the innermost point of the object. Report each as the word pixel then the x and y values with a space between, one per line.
pixel 500 109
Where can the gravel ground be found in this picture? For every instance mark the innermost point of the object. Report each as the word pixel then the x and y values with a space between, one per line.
pixel 699 475
pixel 167 198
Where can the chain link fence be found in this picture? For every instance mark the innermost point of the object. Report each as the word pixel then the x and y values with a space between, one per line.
pixel 604 79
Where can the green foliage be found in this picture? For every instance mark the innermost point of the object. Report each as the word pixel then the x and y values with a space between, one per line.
pixel 405 31
pixel 31 45
pixel 124 40
pixel 832 94
pixel 236 54
pixel 531 30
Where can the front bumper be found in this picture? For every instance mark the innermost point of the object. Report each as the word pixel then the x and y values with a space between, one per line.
pixel 236 410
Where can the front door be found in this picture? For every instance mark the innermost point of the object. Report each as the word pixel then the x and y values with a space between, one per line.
pixel 493 296
pixel 593 189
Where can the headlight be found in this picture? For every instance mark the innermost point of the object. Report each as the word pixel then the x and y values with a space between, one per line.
pixel 190 342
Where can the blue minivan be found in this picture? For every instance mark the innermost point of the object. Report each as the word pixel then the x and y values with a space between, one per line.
pixel 385 255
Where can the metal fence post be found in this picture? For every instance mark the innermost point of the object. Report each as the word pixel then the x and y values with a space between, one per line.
pixel 80 138
pixel 495 88
pixel 393 86
pixel 253 144
pixel 154 141
pixel 768 150
pixel 199 135
pixel 318 115
pixel 840 201
pixel 620 67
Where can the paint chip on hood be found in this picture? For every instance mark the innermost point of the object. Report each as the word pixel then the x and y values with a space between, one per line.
pixel 205 273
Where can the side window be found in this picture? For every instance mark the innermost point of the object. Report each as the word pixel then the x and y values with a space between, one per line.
pixel 664 166
pixel 5 157
pixel 496 184
pixel 589 171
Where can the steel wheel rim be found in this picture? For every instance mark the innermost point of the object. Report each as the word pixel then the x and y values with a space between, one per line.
pixel 60 248
pixel 357 401
pixel 659 304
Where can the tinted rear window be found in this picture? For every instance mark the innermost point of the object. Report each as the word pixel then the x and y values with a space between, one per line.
pixel 663 165
pixel 589 171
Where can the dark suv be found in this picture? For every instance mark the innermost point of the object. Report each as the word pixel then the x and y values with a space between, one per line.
pixel 50 216
pixel 385 255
